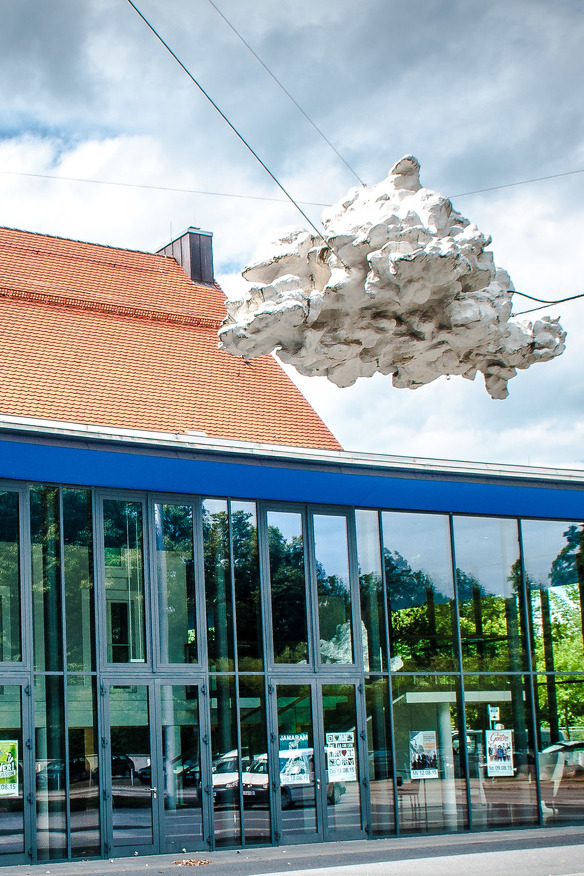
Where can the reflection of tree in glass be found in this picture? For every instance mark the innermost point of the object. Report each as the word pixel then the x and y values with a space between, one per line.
pixel 288 597
pixel 421 631
pixel 218 589
pixel 246 572
pixel 557 607
pixel 490 623
pixel 78 568
pixel 334 612
pixel 9 576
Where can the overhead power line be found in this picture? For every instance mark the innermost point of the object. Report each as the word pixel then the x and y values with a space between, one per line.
pixel 543 302
pixel 228 122
pixel 127 185
pixel 286 92
pixel 105 182
pixel 522 182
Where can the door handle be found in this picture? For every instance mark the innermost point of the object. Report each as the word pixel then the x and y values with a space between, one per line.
pixel 318 784
pixel 153 792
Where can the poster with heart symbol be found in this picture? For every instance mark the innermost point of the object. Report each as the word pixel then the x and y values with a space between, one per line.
pixel 340 753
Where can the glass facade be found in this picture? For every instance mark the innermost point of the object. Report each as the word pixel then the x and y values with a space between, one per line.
pixel 179 673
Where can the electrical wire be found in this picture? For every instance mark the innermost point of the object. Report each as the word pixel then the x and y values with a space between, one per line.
pixel 522 182
pixel 104 182
pixel 228 122
pixel 286 92
pixel 544 304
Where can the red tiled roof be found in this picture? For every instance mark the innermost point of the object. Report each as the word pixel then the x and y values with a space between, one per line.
pixel 93 334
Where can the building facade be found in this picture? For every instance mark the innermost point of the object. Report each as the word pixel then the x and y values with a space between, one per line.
pixel 218 629
pixel 209 644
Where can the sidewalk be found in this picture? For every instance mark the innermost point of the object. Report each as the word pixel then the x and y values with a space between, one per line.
pixel 545 852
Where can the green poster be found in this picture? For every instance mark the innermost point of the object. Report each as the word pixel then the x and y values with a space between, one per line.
pixel 8 769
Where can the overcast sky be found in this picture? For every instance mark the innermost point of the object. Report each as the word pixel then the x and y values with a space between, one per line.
pixel 483 94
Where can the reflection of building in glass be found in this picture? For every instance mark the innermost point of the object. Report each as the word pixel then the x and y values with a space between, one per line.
pixel 250 636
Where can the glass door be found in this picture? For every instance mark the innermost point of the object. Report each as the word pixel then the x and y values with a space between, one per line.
pixel 317 760
pixel 14 765
pixel 181 798
pixel 131 795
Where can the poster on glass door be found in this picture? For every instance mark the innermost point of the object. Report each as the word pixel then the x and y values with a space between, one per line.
pixel 340 753
pixel 499 749
pixel 8 768
pixel 296 759
pixel 423 754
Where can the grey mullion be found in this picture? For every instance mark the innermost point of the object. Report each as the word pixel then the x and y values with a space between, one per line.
pixel 458 643
pixel 311 589
pixel 200 594
pixel 529 677
pixel 99 583
pixel 273 759
pixel 64 664
pixel 232 590
pixel 387 610
pixel 28 767
pixel 318 737
pixel 236 677
pixel 353 566
pixel 363 757
pixel 156 759
pixel 265 585
pixel 26 605
pixel 152 620
pixel 206 761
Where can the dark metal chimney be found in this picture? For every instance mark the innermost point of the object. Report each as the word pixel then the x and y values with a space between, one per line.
pixel 193 250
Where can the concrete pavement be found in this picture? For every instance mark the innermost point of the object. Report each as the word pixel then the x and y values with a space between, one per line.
pixel 545 852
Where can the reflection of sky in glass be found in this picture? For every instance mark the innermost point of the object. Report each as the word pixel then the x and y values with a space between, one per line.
pixel 248 508
pixel 486 548
pixel 423 540
pixel 542 542
pixel 368 553
pixel 214 506
pixel 330 538
pixel 288 522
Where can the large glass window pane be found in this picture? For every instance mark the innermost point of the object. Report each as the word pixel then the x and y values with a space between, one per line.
pixel 226 761
pixel 46 578
pixel 175 567
pixel 129 754
pixel 500 751
pixel 560 730
pixel 124 581
pixel 183 822
pixel 489 594
pixel 254 747
pixel 431 786
pixel 379 756
pixel 246 572
pixel 51 782
pixel 218 585
pixel 333 588
pixel 554 565
pixel 371 591
pixel 78 569
pixel 418 571
pixel 83 766
pixel 10 647
pixel 343 790
pixel 11 757
pixel 296 756
pixel 288 587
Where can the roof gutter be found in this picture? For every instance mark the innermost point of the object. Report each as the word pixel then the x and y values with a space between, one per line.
pixel 198 441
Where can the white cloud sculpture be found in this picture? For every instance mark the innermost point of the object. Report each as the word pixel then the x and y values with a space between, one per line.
pixel 405 287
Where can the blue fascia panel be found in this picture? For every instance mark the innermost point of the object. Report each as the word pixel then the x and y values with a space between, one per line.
pixel 56 463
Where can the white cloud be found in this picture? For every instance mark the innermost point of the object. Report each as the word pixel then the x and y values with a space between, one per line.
pixel 483 95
